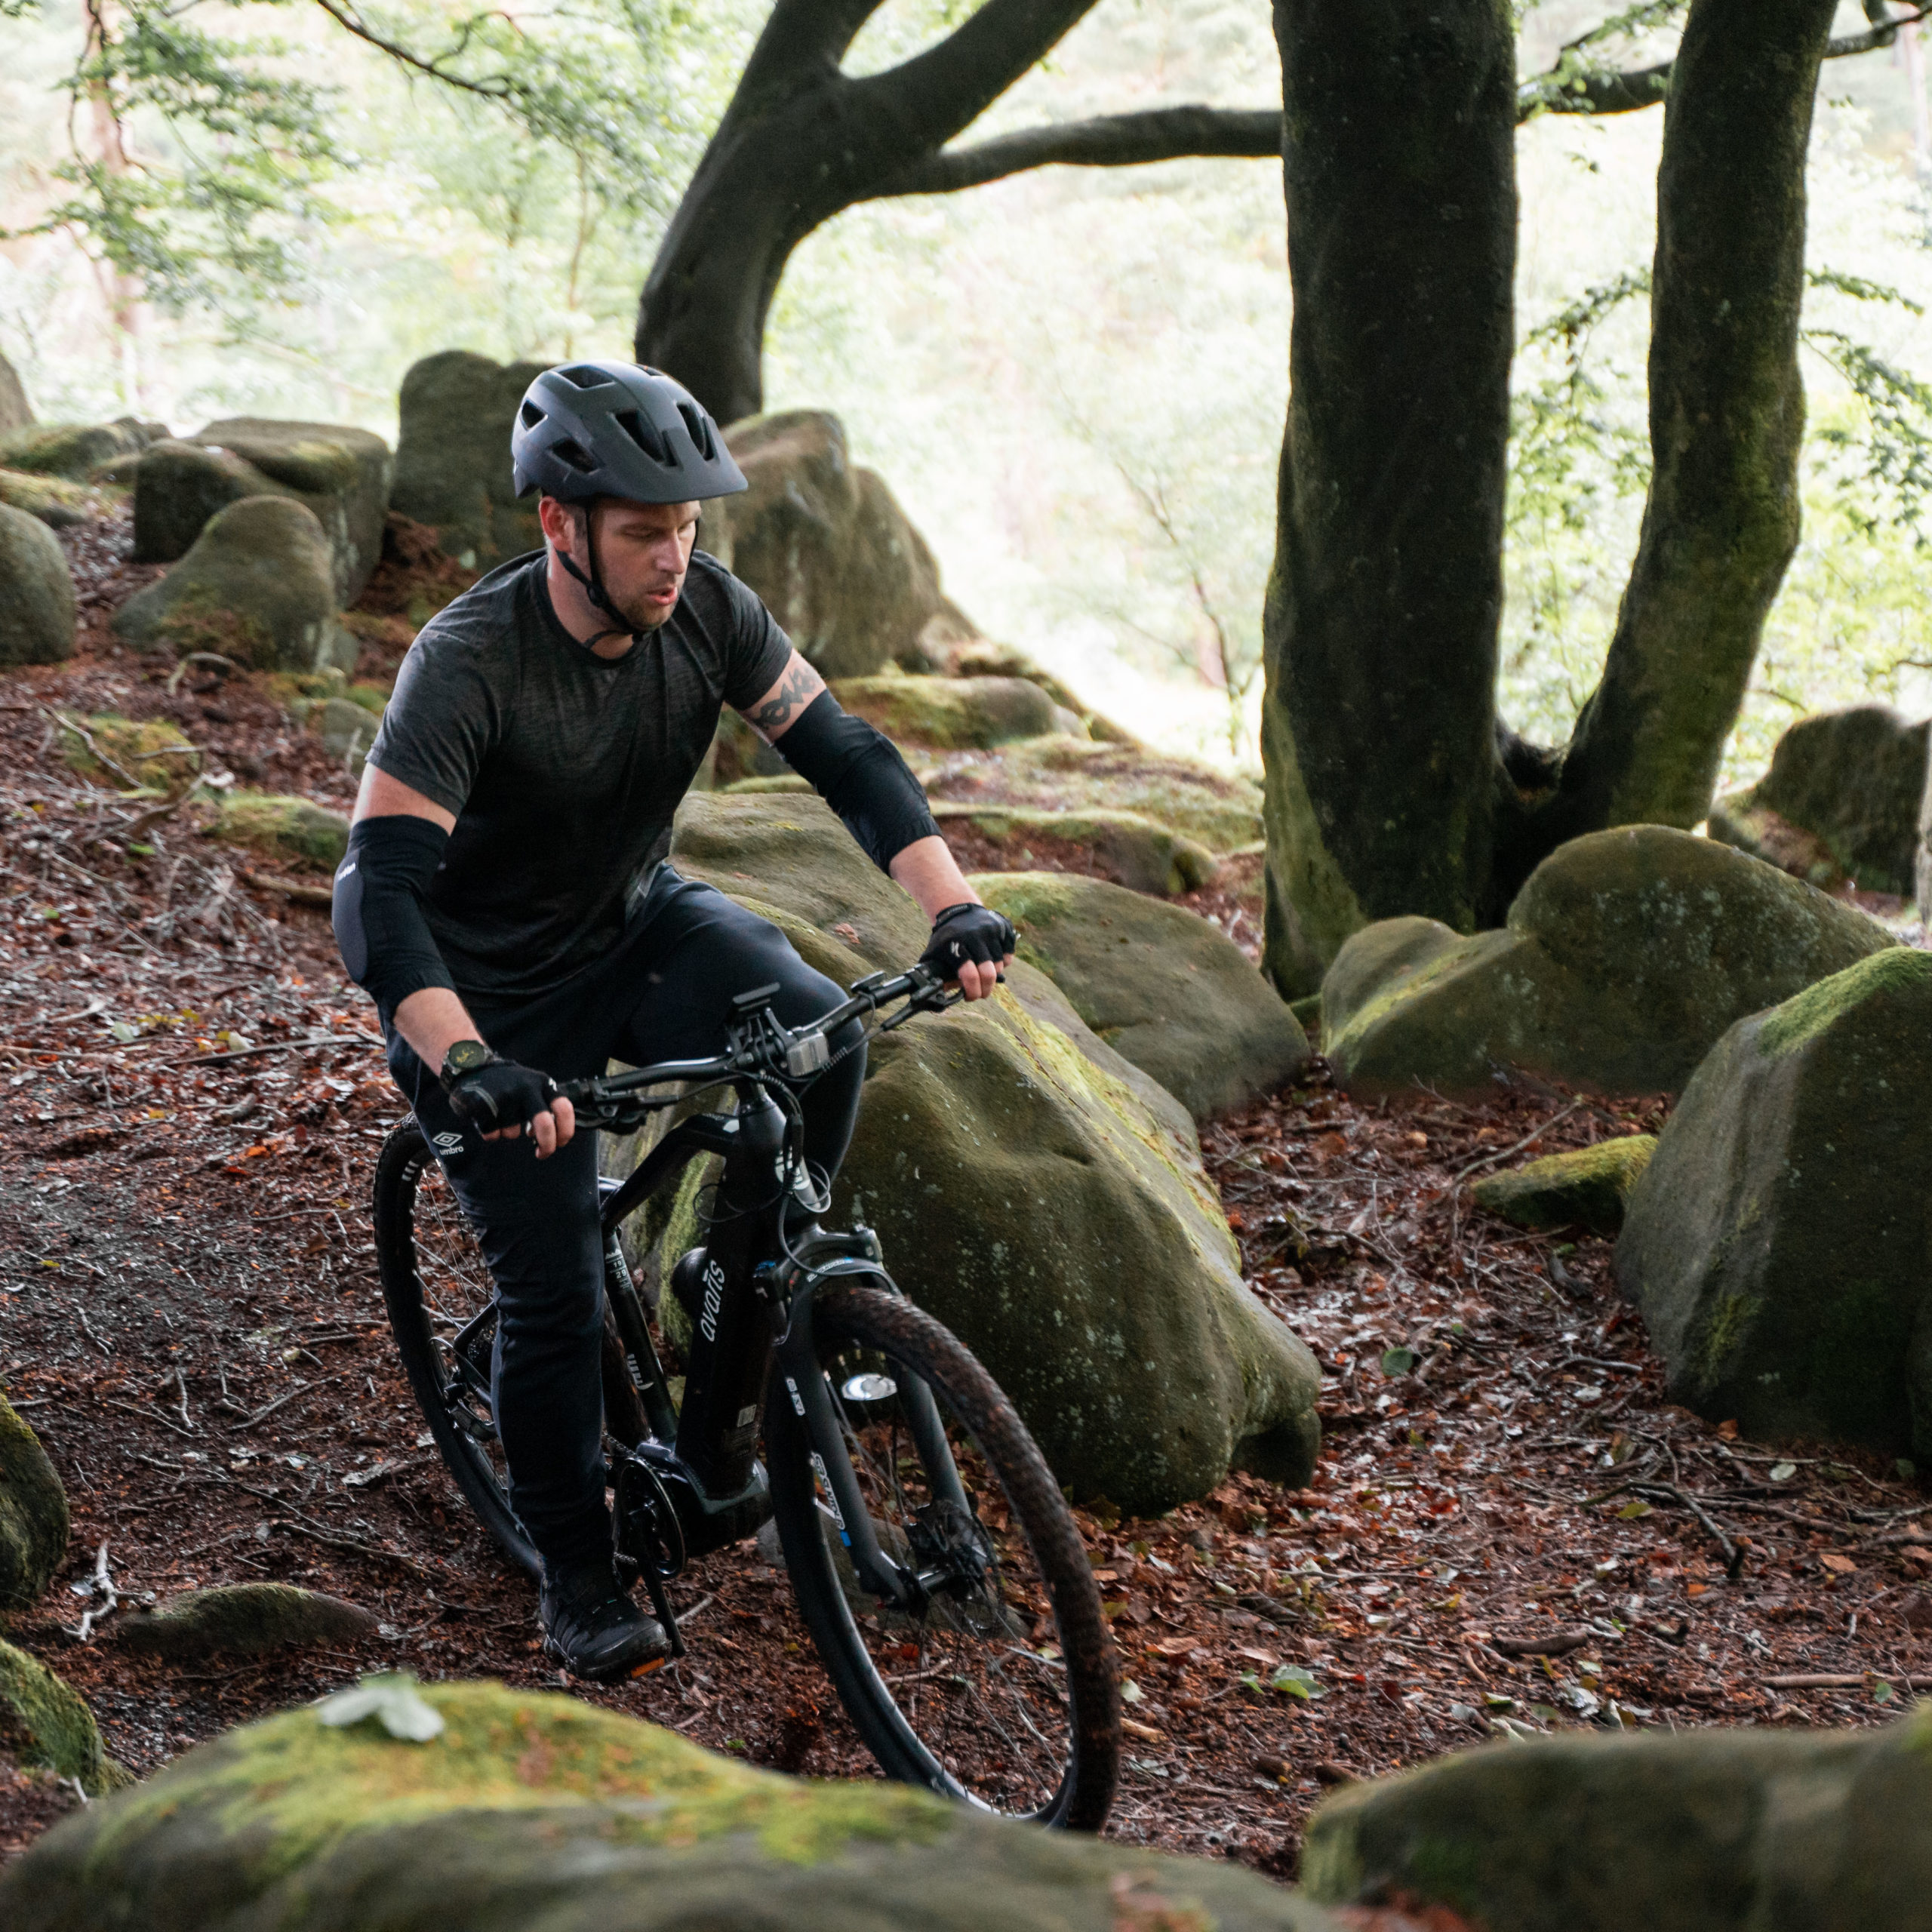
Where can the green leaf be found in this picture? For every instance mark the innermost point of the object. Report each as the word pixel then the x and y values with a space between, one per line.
pixel 1882 1692
pixel 390 1698
pixel 1399 1362
pixel 1294 1681
pixel 1631 1511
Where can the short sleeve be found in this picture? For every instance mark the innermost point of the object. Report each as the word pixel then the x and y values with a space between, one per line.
pixel 758 651
pixel 442 718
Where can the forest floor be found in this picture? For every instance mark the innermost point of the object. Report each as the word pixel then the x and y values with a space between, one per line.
pixel 1510 1531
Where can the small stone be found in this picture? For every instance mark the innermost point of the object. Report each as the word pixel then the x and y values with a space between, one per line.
pixel 245 1619
pixel 1587 1187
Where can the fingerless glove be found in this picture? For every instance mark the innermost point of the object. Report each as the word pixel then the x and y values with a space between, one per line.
pixel 967 931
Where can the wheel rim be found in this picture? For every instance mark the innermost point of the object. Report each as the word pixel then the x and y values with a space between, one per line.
pixel 459 1307
pixel 977 1678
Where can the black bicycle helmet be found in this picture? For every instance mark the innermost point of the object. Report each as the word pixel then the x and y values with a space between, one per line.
pixel 590 429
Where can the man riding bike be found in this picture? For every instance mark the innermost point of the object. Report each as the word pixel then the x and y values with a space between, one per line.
pixel 507 902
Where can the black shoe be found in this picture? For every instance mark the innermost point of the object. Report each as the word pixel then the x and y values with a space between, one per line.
pixel 592 1628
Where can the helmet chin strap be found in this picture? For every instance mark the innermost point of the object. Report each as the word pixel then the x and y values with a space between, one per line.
pixel 593 584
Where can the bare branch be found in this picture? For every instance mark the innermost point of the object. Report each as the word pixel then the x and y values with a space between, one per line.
pixel 1112 140
pixel 345 16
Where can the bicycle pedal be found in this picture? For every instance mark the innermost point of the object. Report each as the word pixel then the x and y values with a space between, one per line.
pixel 645 1669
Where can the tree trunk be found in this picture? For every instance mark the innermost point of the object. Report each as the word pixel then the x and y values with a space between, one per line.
pixel 1380 629
pixel 1727 419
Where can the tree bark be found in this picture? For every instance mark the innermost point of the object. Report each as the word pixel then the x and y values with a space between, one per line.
pixel 1721 522
pixel 1380 629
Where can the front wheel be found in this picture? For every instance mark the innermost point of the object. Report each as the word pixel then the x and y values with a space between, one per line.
pixel 1002 1689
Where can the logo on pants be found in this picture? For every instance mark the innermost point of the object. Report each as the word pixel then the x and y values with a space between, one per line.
pixel 446 1144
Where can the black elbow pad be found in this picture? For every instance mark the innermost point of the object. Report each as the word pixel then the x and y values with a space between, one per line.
pixel 380 931
pixel 858 772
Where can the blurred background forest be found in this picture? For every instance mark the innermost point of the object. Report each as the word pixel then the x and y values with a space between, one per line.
pixel 1074 378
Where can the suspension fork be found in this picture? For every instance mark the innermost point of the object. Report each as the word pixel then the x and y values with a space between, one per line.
pixel 810 1394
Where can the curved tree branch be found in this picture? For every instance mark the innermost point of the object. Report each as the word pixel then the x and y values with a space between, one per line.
pixel 1110 140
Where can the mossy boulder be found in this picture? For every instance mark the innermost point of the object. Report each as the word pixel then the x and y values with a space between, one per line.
pixel 452 467
pixel 530 1808
pixel 292 830
pixel 340 474
pixel 347 728
pixel 1587 1187
pixel 47 499
pixel 1032 1198
pixel 36 593
pixel 1159 984
pixel 954 714
pixel 1777 1242
pixel 258 586
pixel 1132 850
pixel 1626 956
pixel 16 412
pixel 1708 1831
pixel 45 1723
pixel 1064 773
pixel 153 754
pixel 823 542
pixel 72 450
pixel 981 657
pixel 34 1527
pixel 242 1619
pixel 1853 780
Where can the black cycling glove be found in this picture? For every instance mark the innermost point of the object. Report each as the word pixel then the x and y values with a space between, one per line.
pixel 967 931
pixel 500 1095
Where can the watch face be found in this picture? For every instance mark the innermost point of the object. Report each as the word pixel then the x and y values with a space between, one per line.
pixel 467 1055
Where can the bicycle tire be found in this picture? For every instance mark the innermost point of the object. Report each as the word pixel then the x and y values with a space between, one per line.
pixel 419 1229
pixel 871 1323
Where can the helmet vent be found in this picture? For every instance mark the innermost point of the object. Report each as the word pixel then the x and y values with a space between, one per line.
pixel 644 433
pixel 585 376
pixel 531 414
pixel 574 453
pixel 701 430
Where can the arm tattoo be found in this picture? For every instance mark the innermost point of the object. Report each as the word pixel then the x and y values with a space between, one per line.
pixel 799 685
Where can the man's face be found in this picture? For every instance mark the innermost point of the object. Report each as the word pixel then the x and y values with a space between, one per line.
pixel 643 550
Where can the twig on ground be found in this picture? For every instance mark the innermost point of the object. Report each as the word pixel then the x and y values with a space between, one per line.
pixel 1528 1140
pixel 280 1401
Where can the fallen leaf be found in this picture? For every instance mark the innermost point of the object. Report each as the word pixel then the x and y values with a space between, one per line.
pixel 1839 1566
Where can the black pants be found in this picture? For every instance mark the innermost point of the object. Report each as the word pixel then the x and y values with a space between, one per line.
pixel 663 992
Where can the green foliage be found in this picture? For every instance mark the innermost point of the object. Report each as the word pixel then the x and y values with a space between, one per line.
pixel 1580 60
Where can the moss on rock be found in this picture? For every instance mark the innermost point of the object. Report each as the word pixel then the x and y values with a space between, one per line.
pixel 1031 1197
pixel 1626 955
pixel 44 1722
pixel 47 499
pixel 1712 1830
pixel 34 1527
pixel 1588 1187
pixel 115 751
pixel 1777 1243
pixel 248 1619
pixel 953 714
pixel 531 1807
pixel 72 451
pixel 1132 849
pixel 292 829
pixel 1159 984
pixel 37 604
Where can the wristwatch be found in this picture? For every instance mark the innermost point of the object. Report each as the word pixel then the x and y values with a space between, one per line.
pixel 465 1057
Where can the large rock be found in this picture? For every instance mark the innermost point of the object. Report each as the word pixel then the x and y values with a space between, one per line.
pixel 825 544
pixel 531 1809
pixel 45 1723
pixel 1626 955
pixel 1032 1198
pixel 981 657
pixel 1132 850
pixel 1159 984
pixel 295 831
pixel 954 714
pixel 258 586
pixel 1852 779
pixel 242 1619
pixel 34 1527
pixel 341 474
pixel 1708 1831
pixel 60 506
pixel 36 592
pixel 1073 774
pixel 453 456
pixel 72 451
pixel 1777 1242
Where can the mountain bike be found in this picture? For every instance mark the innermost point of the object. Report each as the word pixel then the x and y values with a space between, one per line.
pixel 939 1571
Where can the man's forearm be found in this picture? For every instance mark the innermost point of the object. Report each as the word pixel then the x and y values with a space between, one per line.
pixel 928 871
pixel 432 1021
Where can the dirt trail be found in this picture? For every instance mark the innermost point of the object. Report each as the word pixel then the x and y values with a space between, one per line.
pixel 190 1316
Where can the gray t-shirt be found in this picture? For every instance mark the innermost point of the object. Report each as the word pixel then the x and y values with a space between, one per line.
pixel 563 768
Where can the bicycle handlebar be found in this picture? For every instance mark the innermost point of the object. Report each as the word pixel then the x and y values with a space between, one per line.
pixel 762 1047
